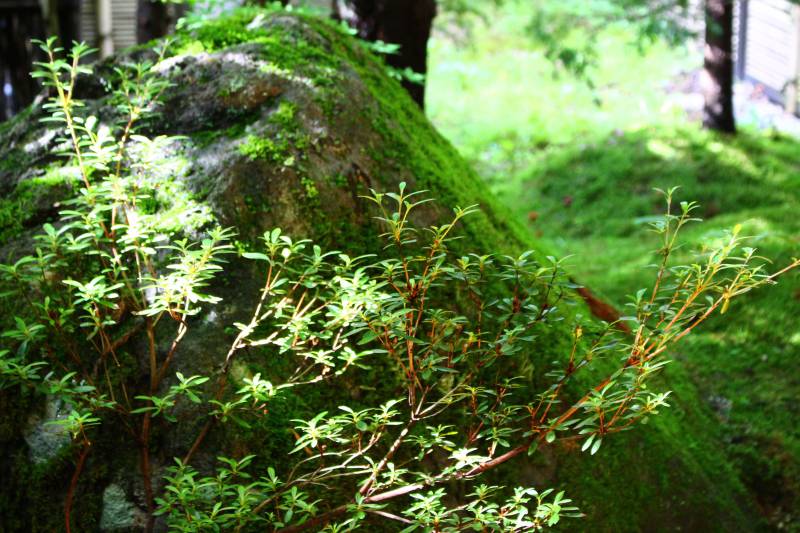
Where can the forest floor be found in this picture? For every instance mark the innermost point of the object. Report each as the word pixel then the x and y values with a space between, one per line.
pixel 578 166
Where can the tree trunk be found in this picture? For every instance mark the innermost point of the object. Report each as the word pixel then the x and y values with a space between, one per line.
pixel 718 67
pixel 63 21
pixel 69 22
pixel 406 23
pixel 157 18
pixel 153 20
pixel 17 27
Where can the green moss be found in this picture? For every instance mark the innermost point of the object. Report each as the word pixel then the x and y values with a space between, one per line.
pixel 30 201
pixel 285 115
pixel 205 138
pixel 266 148
pixel 283 144
pixel 12 211
pixel 14 161
pixel 217 34
pixel 310 187
pixel 234 85
pixel 283 47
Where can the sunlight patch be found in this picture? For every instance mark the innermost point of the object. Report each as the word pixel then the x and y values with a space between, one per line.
pixel 661 149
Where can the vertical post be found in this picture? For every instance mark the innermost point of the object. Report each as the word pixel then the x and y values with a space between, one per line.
pixel 407 23
pixel 741 44
pixel 17 27
pixel 793 86
pixel 69 21
pixel 104 28
pixel 6 108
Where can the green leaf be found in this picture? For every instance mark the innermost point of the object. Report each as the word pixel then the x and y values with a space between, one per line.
pixel 596 446
pixel 255 256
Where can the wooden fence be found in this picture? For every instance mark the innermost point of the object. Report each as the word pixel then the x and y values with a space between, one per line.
pixel 768 48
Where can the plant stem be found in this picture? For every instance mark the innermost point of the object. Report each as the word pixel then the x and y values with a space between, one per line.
pixel 73 485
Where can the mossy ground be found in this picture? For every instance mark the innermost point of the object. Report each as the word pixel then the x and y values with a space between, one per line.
pixel 742 364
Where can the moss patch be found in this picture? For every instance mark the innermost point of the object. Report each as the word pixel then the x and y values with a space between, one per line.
pixel 32 202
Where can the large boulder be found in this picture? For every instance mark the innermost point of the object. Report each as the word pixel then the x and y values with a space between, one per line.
pixel 285 121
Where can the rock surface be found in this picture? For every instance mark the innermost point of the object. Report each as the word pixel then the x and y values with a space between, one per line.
pixel 284 122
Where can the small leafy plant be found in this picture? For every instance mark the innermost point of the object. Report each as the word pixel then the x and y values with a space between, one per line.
pixel 459 341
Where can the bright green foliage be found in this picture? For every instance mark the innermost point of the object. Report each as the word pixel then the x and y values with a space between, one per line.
pixel 500 117
pixel 569 30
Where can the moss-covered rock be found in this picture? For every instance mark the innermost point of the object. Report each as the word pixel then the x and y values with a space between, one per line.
pixel 285 121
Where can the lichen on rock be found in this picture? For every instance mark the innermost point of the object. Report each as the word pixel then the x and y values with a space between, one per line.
pixel 45 438
pixel 118 512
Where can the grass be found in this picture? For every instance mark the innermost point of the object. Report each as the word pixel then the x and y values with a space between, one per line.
pixel 496 96
pixel 581 176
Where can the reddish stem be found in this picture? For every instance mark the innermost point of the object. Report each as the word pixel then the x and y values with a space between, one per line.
pixel 74 483
pixel 145 465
